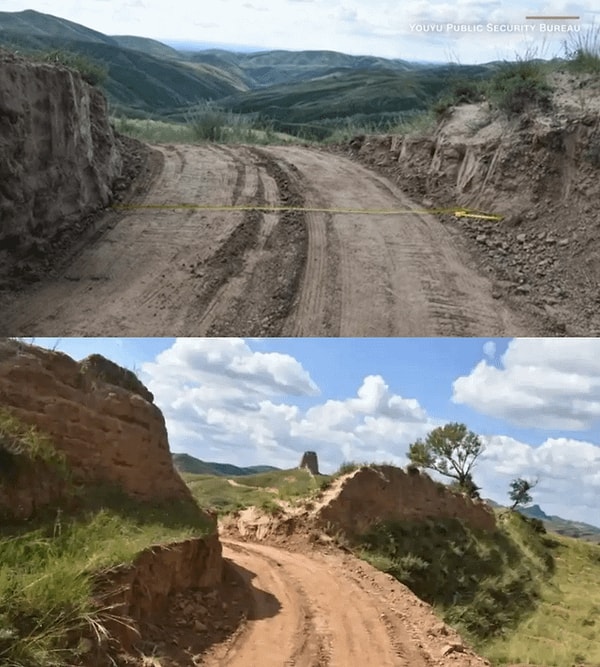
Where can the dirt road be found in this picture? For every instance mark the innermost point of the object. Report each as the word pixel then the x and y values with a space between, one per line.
pixel 330 609
pixel 187 271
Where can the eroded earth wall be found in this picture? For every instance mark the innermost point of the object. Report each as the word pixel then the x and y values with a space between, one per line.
pixel 59 157
pixel 539 171
pixel 380 493
pixel 140 591
pixel 98 414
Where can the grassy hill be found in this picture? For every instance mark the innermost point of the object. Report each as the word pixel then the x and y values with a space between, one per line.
pixel 151 47
pixel 47 562
pixel 271 68
pixel 371 98
pixel 290 92
pixel 140 81
pixel 262 489
pixel 557 524
pixel 519 595
pixel 32 24
pixel 189 464
pixel 371 94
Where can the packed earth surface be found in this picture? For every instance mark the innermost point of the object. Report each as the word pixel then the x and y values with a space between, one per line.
pixel 326 608
pixel 163 263
pixel 103 235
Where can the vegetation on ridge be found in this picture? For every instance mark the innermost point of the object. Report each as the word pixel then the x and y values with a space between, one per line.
pixel 507 591
pixel 47 563
pixel 160 94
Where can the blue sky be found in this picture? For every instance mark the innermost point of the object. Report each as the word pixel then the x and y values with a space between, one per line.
pixel 534 402
pixel 385 28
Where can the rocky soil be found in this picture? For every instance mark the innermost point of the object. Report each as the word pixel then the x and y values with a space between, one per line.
pixel 190 258
pixel 540 171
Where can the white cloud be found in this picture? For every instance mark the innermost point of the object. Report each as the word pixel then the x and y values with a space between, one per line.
pixel 219 398
pixel 228 365
pixel 380 27
pixel 376 420
pixel 223 400
pixel 543 383
pixel 489 349
pixel 568 471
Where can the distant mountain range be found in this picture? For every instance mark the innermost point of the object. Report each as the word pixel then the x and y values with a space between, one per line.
pixel 147 78
pixel 557 524
pixel 187 463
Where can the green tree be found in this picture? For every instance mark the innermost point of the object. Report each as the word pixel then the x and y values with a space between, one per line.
pixel 452 451
pixel 519 492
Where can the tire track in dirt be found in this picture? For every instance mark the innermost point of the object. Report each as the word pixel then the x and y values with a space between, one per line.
pixel 177 270
pixel 298 641
pixel 208 276
pixel 141 276
pixel 400 275
pixel 237 263
pixel 342 619
pixel 269 293
pixel 317 307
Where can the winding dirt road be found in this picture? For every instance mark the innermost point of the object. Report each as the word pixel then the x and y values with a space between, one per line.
pixel 331 610
pixel 186 271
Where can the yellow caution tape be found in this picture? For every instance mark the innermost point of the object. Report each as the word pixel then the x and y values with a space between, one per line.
pixel 457 212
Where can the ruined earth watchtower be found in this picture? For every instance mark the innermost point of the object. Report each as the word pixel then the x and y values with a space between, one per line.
pixel 309 460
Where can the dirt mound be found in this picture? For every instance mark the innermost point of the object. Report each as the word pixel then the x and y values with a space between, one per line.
pixel 107 433
pixel 378 493
pixel 157 581
pixel 353 503
pixel 103 369
pixel 541 171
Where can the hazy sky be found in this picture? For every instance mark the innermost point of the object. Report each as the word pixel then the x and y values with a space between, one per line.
pixel 534 402
pixel 388 28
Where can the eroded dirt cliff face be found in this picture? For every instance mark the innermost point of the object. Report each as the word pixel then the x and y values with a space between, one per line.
pixel 539 170
pixel 379 493
pixel 59 157
pixel 99 415
pixel 358 500
pixel 144 591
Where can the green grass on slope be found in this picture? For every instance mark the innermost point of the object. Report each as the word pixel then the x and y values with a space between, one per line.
pixel 519 595
pixel 583 50
pixel 564 627
pixel 219 494
pixel 47 563
pixel 230 129
pixel 46 572
pixel 294 483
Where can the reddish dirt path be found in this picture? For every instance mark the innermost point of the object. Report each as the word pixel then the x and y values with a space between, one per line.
pixel 185 271
pixel 318 609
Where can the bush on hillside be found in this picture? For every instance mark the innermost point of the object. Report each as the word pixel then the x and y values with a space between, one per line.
pixel 346 468
pixel 582 50
pixel 462 91
pixel 208 123
pixel 91 72
pixel 519 86
pixel 483 582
